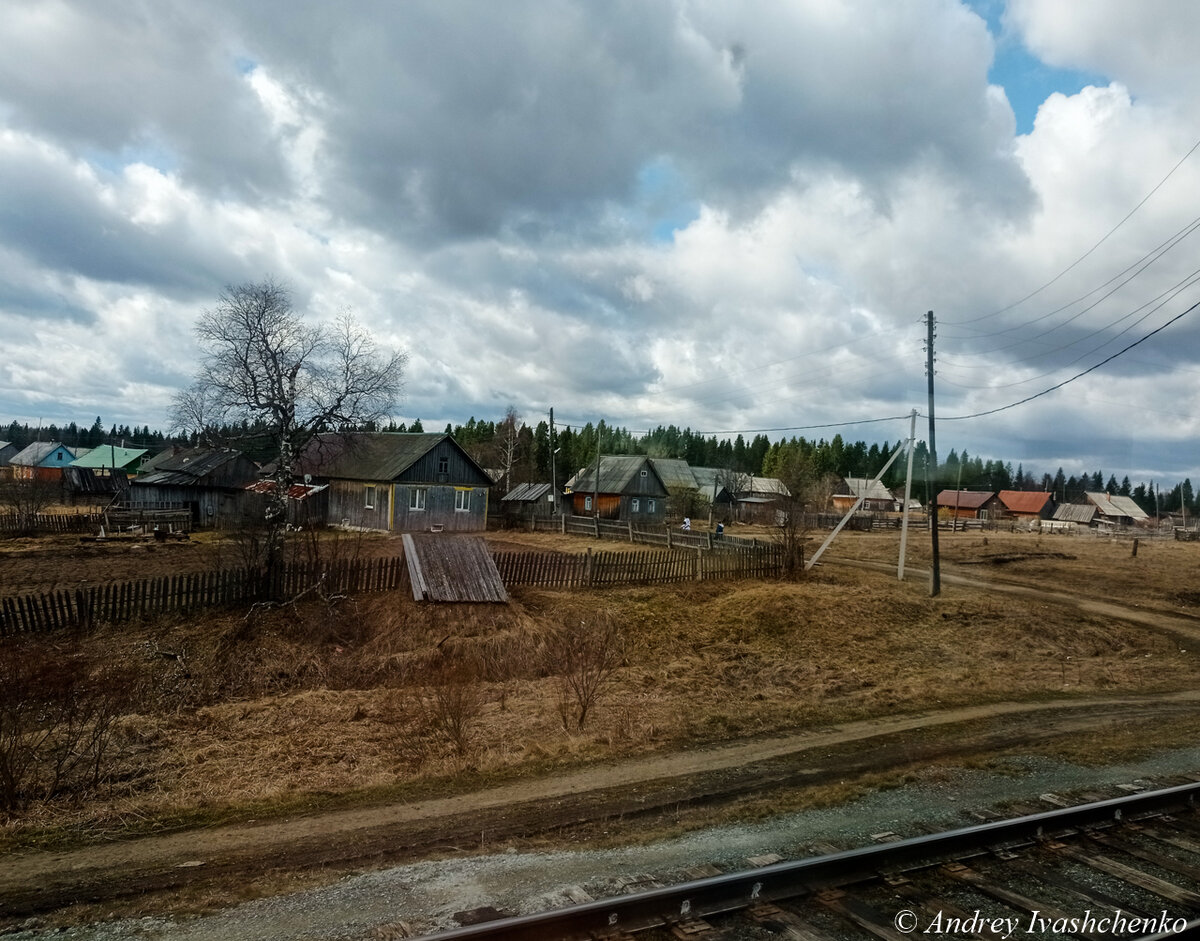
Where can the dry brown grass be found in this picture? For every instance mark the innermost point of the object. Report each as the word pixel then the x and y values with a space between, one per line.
pixel 298 706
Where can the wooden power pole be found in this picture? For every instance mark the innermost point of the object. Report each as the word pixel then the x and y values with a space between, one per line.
pixel 935 573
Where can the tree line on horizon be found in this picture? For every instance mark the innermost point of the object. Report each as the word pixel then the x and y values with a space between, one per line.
pixel 524 453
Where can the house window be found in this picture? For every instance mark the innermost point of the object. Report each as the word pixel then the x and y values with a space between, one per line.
pixel 443 465
pixel 462 500
pixel 369 496
pixel 587 503
pixel 416 498
pixel 634 505
pixel 649 506
pixel 644 472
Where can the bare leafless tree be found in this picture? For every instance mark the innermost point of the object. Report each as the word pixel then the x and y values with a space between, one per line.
pixel 583 654
pixel 264 365
pixel 26 497
pixel 508 441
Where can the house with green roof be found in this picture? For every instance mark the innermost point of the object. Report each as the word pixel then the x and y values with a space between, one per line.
pixel 106 457
pixel 398 481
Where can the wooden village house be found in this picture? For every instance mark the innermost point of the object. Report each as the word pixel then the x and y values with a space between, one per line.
pixel 968 505
pixel 628 488
pixel 42 460
pixel 1027 505
pixel 399 481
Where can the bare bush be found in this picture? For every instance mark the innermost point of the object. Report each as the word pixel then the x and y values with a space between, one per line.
pixel 58 717
pixel 443 713
pixel 583 655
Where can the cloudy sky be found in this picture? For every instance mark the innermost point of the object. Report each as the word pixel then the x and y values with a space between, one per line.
pixel 726 215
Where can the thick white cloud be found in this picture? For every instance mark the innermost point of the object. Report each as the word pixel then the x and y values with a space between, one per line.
pixel 716 214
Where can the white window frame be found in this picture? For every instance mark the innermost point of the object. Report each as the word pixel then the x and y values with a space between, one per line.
pixel 369 496
pixel 634 505
pixel 649 506
pixel 462 501
pixel 587 503
pixel 417 497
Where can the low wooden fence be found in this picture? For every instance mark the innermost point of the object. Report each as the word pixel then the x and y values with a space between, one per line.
pixel 601 569
pixel 49 522
pixel 666 536
pixel 81 608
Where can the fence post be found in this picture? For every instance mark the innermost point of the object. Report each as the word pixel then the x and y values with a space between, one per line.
pixel 669 545
pixel 698 570
pixel 587 567
pixel 631 529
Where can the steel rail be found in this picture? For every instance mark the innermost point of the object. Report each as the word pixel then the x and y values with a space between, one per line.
pixel 729 892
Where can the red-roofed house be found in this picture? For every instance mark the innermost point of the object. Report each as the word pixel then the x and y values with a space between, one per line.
pixel 1027 504
pixel 968 505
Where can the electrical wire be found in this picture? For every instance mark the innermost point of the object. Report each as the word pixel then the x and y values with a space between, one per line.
pixel 1080 375
pixel 1103 239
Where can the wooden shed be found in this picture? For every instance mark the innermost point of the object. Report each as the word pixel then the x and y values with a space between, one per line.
pixel 210 482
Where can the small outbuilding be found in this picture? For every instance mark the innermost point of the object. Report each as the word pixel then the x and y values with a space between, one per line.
pixel 209 482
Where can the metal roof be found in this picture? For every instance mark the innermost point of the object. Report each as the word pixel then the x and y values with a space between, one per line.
pixel 1024 501
pixel 108 456
pixel 964 499
pixel 527 493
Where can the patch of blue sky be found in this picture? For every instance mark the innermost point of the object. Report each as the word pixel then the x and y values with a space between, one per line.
pixel 663 200
pixel 148 153
pixel 1026 79
pixel 244 65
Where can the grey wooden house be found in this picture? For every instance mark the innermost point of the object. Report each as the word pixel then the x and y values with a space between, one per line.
pixel 399 482
pixel 629 488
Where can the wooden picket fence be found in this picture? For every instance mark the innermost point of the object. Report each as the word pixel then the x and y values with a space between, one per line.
pixel 49 522
pixel 82 608
pixel 607 569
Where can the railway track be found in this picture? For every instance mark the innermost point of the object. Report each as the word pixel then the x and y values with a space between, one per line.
pixel 1127 867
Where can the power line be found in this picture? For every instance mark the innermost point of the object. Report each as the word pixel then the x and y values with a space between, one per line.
pixel 1105 238
pixel 1080 375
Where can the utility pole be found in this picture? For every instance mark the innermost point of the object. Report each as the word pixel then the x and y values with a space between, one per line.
pixel 553 475
pixel 596 482
pixel 935 573
pixel 912 446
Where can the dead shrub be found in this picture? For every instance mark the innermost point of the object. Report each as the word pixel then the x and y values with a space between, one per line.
pixel 442 715
pixel 58 721
pixel 582 655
